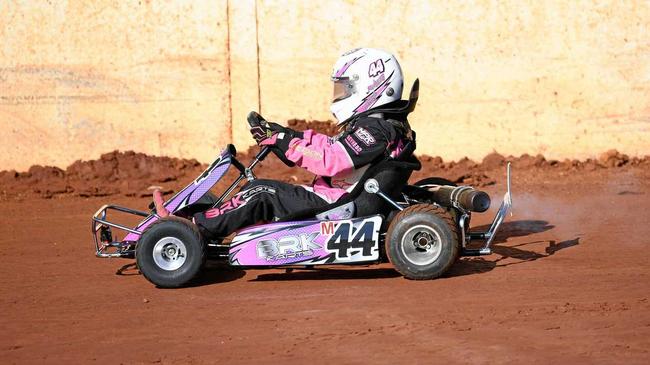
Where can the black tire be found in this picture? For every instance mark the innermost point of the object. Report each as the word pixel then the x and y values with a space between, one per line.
pixel 171 252
pixel 435 227
pixel 435 181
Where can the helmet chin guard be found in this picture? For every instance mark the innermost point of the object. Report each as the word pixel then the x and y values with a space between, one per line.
pixel 364 78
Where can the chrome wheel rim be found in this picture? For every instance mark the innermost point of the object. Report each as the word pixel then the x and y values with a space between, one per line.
pixel 169 253
pixel 421 245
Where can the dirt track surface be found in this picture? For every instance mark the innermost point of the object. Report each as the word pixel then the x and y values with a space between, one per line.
pixel 569 282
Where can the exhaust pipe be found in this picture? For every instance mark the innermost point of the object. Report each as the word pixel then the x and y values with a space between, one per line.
pixel 467 198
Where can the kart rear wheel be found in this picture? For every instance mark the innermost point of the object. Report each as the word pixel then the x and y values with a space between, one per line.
pixel 171 252
pixel 422 242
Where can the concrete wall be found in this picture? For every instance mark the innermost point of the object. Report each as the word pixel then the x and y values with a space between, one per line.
pixel 563 78
pixel 80 78
pixel 567 79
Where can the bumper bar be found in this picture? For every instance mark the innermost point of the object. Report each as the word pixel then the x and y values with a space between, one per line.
pixel 105 246
pixel 488 236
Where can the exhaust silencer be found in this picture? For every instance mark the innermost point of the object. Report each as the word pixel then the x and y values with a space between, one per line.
pixel 466 197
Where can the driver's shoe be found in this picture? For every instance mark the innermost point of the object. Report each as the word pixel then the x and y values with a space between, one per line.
pixel 159 204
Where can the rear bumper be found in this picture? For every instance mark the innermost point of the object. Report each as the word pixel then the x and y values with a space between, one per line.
pixel 488 236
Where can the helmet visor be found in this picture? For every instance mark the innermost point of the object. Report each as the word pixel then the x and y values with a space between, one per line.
pixel 343 88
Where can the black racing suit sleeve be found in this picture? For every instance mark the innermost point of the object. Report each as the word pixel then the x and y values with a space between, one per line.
pixel 366 141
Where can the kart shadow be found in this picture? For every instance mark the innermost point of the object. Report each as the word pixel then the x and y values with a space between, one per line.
pixel 516 229
pixel 329 274
pixel 478 265
pixel 220 273
pixel 213 273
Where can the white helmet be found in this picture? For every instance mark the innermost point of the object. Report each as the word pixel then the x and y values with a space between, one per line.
pixel 364 78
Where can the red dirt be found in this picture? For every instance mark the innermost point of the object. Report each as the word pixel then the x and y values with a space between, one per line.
pixel 569 281
pixel 136 174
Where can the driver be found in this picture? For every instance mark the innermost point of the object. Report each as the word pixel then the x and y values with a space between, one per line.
pixel 364 79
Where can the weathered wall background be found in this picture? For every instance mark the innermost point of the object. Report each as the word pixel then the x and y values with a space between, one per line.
pixel 81 78
pixel 566 79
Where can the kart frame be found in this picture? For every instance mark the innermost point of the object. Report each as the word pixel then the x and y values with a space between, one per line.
pixel 107 247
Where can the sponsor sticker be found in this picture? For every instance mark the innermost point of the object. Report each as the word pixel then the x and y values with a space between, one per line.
pixel 353 144
pixel 347 238
pixel 375 84
pixel 309 153
pixel 227 206
pixel 365 136
pixel 287 247
pixel 246 195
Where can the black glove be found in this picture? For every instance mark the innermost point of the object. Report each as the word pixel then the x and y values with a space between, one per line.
pixel 261 134
pixel 259 128
pixel 272 135
pixel 275 127
pixel 269 133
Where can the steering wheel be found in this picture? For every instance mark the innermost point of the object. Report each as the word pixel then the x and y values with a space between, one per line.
pixel 256 120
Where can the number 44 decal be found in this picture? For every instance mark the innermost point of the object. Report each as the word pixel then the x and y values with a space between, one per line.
pixel 376 68
pixel 350 238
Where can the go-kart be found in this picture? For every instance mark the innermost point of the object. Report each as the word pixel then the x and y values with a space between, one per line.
pixel 421 229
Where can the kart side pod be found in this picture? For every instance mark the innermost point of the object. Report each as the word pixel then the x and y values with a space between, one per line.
pixel 465 199
pixel 106 244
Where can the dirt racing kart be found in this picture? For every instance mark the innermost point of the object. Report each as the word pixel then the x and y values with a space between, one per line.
pixel 421 229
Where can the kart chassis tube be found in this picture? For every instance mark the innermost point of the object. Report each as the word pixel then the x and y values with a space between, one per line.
pixel 99 222
pixel 125 249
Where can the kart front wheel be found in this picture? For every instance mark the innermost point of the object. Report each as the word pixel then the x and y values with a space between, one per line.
pixel 422 242
pixel 170 252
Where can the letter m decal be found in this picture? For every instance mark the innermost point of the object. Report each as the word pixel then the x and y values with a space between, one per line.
pixel 327 228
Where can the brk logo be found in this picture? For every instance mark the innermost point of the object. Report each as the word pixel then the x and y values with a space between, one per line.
pixel 288 247
pixel 227 206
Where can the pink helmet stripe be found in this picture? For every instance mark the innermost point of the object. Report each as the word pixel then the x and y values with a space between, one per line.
pixel 345 67
pixel 371 99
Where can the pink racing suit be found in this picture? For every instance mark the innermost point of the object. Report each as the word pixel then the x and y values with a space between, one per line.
pixel 339 162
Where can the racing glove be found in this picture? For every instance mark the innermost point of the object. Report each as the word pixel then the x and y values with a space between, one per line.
pixel 259 127
pixel 261 133
pixel 270 134
pixel 280 137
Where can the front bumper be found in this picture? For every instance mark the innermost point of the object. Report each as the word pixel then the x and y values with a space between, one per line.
pixel 105 245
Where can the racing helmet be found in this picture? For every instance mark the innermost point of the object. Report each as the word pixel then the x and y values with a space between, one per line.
pixel 364 78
